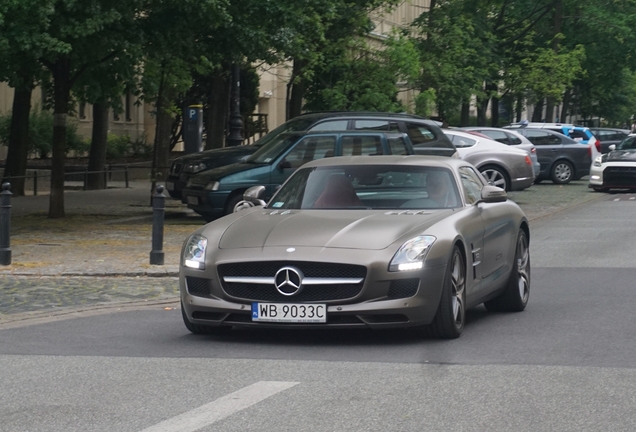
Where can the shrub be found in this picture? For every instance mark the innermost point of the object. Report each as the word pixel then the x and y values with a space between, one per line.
pixel 41 134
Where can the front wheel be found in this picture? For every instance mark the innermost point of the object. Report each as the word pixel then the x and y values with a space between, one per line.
pixel 562 172
pixel 515 297
pixel 451 313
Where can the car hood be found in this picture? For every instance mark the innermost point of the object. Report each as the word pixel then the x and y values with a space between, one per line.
pixel 225 152
pixel 217 173
pixel 622 156
pixel 351 229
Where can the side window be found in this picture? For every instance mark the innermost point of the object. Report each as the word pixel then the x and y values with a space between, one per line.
pixel 419 134
pixel 311 148
pixel 499 136
pixel 397 146
pixel 361 145
pixel 462 142
pixel 578 135
pixel 539 138
pixel 382 125
pixel 514 139
pixel 471 184
pixel 331 125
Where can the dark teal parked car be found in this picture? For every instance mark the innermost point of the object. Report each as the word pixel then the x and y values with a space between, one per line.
pixel 216 192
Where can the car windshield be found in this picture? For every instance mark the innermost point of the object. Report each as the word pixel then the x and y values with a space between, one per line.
pixel 628 143
pixel 273 149
pixel 369 187
pixel 294 125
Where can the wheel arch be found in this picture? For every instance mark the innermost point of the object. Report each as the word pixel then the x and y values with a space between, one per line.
pixel 236 192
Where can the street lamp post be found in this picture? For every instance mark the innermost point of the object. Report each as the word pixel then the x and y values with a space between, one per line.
pixel 235 137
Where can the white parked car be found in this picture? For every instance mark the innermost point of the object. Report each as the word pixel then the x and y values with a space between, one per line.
pixel 508 168
pixel 616 169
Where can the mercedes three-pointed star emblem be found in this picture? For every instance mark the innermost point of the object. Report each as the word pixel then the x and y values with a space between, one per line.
pixel 289 281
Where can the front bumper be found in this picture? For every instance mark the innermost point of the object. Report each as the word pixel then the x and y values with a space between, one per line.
pixel 613 175
pixel 376 305
pixel 205 202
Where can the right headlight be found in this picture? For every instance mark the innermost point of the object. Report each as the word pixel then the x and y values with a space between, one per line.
pixel 598 162
pixel 194 252
pixel 411 254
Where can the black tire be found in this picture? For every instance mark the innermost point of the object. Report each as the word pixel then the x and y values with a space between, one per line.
pixel 232 201
pixel 496 175
pixel 562 172
pixel 199 329
pixel 537 180
pixel 515 297
pixel 450 317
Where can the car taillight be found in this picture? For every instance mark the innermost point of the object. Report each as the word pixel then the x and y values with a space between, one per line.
pixel 528 161
pixel 589 150
pixel 597 143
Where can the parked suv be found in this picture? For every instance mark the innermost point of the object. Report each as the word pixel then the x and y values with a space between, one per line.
pixel 562 159
pixel 216 192
pixel 426 136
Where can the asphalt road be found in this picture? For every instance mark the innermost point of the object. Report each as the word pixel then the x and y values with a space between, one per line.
pixel 567 363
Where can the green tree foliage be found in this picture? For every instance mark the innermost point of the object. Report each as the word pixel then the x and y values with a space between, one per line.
pixel 363 78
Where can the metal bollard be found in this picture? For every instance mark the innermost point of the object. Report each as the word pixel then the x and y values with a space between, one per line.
pixel 35 182
pixel 126 176
pixel 158 210
pixel 5 224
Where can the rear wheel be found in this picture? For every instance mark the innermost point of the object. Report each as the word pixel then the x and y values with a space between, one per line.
pixel 562 172
pixel 451 313
pixel 515 297
pixel 496 176
pixel 202 329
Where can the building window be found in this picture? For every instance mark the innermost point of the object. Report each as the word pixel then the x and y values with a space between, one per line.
pixel 82 110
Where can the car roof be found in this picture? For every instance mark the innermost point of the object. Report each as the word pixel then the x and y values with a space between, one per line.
pixel 432 161
pixel 514 132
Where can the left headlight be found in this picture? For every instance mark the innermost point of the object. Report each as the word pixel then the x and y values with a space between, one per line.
pixel 598 161
pixel 194 252
pixel 212 186
pixel 411 254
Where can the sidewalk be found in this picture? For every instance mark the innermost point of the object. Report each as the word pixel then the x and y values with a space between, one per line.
pixel 105 232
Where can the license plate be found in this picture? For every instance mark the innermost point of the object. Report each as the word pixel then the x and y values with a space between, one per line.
pixel 170 186
pixel 289 312
pixel 193 200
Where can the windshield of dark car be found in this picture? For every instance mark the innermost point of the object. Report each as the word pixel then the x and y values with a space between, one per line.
pixel 369 187
pixel 273 149
pixel 628 143
pixel 294 125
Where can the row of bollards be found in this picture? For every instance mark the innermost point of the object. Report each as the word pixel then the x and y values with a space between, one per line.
pixel 158 211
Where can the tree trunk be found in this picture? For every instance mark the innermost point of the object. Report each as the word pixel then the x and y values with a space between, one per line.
pixel 518 108
pixel 494 112
pixel 62 87
pixel 18 150
pixel 218 109
pixel 297 91
pixel 161 157
pixel 564 108
pixel 482 108
pixel 465 114
pixel 537 113
pixel 99 143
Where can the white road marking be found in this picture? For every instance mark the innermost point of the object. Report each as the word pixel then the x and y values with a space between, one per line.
pixel 223 407
pixel 631 198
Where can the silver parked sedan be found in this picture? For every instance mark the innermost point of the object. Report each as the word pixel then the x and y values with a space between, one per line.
pixel 504 166
pixel 509 138
pixel 360 241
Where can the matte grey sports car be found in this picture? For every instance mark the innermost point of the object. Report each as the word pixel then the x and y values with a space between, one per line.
pixel 362 241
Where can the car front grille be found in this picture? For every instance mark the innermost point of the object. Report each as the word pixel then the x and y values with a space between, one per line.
pixel 403 288
pixel 620 176
pixel 266 291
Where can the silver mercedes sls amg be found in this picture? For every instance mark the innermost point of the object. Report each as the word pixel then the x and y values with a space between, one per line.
pixel 362 241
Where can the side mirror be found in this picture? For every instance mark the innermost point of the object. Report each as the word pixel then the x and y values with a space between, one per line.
pixel 284 164
pixel 612 147
pixel 253 197
pixel 492 194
